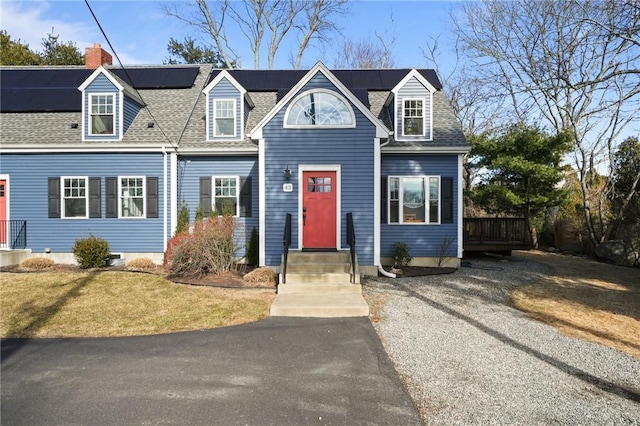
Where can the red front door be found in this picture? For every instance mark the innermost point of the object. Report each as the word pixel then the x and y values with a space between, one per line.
pixel 3 212
pixel 319 210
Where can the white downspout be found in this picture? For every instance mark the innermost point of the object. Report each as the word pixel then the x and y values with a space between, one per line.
pixel 378 171
pixel 164 199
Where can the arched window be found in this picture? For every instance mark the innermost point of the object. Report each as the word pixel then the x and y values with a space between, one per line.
pixel 319 108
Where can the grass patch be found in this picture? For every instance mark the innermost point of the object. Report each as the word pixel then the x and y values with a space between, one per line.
pixel 113 303
pixel 586 299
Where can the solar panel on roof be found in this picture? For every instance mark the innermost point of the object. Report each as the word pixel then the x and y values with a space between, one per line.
pixel 158 78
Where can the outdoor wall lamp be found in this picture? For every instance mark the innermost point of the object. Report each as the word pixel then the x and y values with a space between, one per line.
pixel 287 172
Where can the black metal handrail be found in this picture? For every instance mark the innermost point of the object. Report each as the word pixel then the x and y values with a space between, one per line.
pixel 286 242
pixel 13 234
pixel 351 242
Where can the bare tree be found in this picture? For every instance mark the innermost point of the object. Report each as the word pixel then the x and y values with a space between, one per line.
pixel 317 24
pixel 569 65
pixel 259 20
pixel 373 52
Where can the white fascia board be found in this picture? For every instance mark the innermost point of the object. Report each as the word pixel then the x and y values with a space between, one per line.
pixel 425 150
pixel 219 151
pixel 100 70
pixel 218 78
pixel 381 129
pixel 81 148
pixel 419 77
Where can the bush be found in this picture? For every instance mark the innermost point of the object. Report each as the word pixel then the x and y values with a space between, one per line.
pixel 91 252
pixel 183 219
pixel 401 254
pixel 37 263
pixel 253 248
pixel 141 263
pixel 261 276
pixel 210 248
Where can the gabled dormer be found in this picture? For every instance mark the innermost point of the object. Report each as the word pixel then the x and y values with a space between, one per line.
pixel 411 108
pixel 228 106
pixel 109 106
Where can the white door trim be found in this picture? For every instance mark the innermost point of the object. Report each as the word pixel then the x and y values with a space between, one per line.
pixel 7 194
pixel 338 185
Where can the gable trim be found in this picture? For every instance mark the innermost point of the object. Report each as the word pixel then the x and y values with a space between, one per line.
pixel 381 130
pixel 100 70
pixel 414 74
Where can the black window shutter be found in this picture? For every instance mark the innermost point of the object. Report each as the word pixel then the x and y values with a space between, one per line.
pixel 384 200
pixel 446 214
pixel 54 197
pixel 153 197
pixel 95 197
pixel 205 195
pixel 245 196
pixel 111 196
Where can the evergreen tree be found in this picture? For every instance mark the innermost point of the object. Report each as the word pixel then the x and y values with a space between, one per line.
pixel 519 171
pixel 14 52
pixel 57 53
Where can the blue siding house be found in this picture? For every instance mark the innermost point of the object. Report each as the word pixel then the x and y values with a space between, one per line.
pixel 115 152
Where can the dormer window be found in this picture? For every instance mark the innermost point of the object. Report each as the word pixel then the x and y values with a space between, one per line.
pixel 413 117
pixel 101 114
pixel 224 117
pixel 319 109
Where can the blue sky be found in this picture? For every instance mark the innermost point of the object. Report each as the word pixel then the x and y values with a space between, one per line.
pixel 139 31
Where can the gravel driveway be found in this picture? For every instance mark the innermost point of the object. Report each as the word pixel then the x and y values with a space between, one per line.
pixel 468 357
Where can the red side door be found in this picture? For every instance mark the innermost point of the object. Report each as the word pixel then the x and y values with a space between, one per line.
pixel 3 212
pixel 319 210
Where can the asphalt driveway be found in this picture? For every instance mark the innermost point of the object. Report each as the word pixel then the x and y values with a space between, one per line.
pixel 284 371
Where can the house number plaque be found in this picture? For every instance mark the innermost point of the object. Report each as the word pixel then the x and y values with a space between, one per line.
pixel 287 187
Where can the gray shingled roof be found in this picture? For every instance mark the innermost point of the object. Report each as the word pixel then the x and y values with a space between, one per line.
pixel 170 109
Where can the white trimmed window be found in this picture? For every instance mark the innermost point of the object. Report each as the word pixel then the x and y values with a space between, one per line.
pixel 414 199
pixel 75 200
pixel 413 117
pixel 225 195
pixel 224 117
pixel 131 199
pixel 319 109
pixel 101 114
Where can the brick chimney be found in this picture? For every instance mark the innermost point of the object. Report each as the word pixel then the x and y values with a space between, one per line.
pixel 96 56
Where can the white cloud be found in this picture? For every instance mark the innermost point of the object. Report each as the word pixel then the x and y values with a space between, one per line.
pixel 31 22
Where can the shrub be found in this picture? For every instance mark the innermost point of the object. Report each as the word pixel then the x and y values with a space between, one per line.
pixel 401 254
pixel 199 213
pixel 253 248
pixel 261 276
pixel 141 263
pixel 209 248
pixel 37 263
pixel 91 252
pixel 183 219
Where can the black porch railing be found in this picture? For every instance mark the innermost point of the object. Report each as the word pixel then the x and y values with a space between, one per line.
pixel 286 242
pixel 13 234
pixel 351 242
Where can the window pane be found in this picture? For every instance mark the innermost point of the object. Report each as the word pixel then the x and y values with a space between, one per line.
pixel 131 197
pixel 394 214
pixel 224 127
pixel 434 195
pixel 75 207
pixel 102 125
pixel 413 126
pixel 226 206
pixel 393 189
pixel 320 109
pixel 413 203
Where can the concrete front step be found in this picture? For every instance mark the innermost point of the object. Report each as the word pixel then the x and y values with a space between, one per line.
pixel 319 288
pixel 312 278
pixel 307 257
pixel 319 305
pixel 318 268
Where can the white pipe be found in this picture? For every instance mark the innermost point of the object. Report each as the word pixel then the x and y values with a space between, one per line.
pixel 385 273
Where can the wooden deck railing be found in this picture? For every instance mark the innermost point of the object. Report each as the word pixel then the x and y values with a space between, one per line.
pixel 491 233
